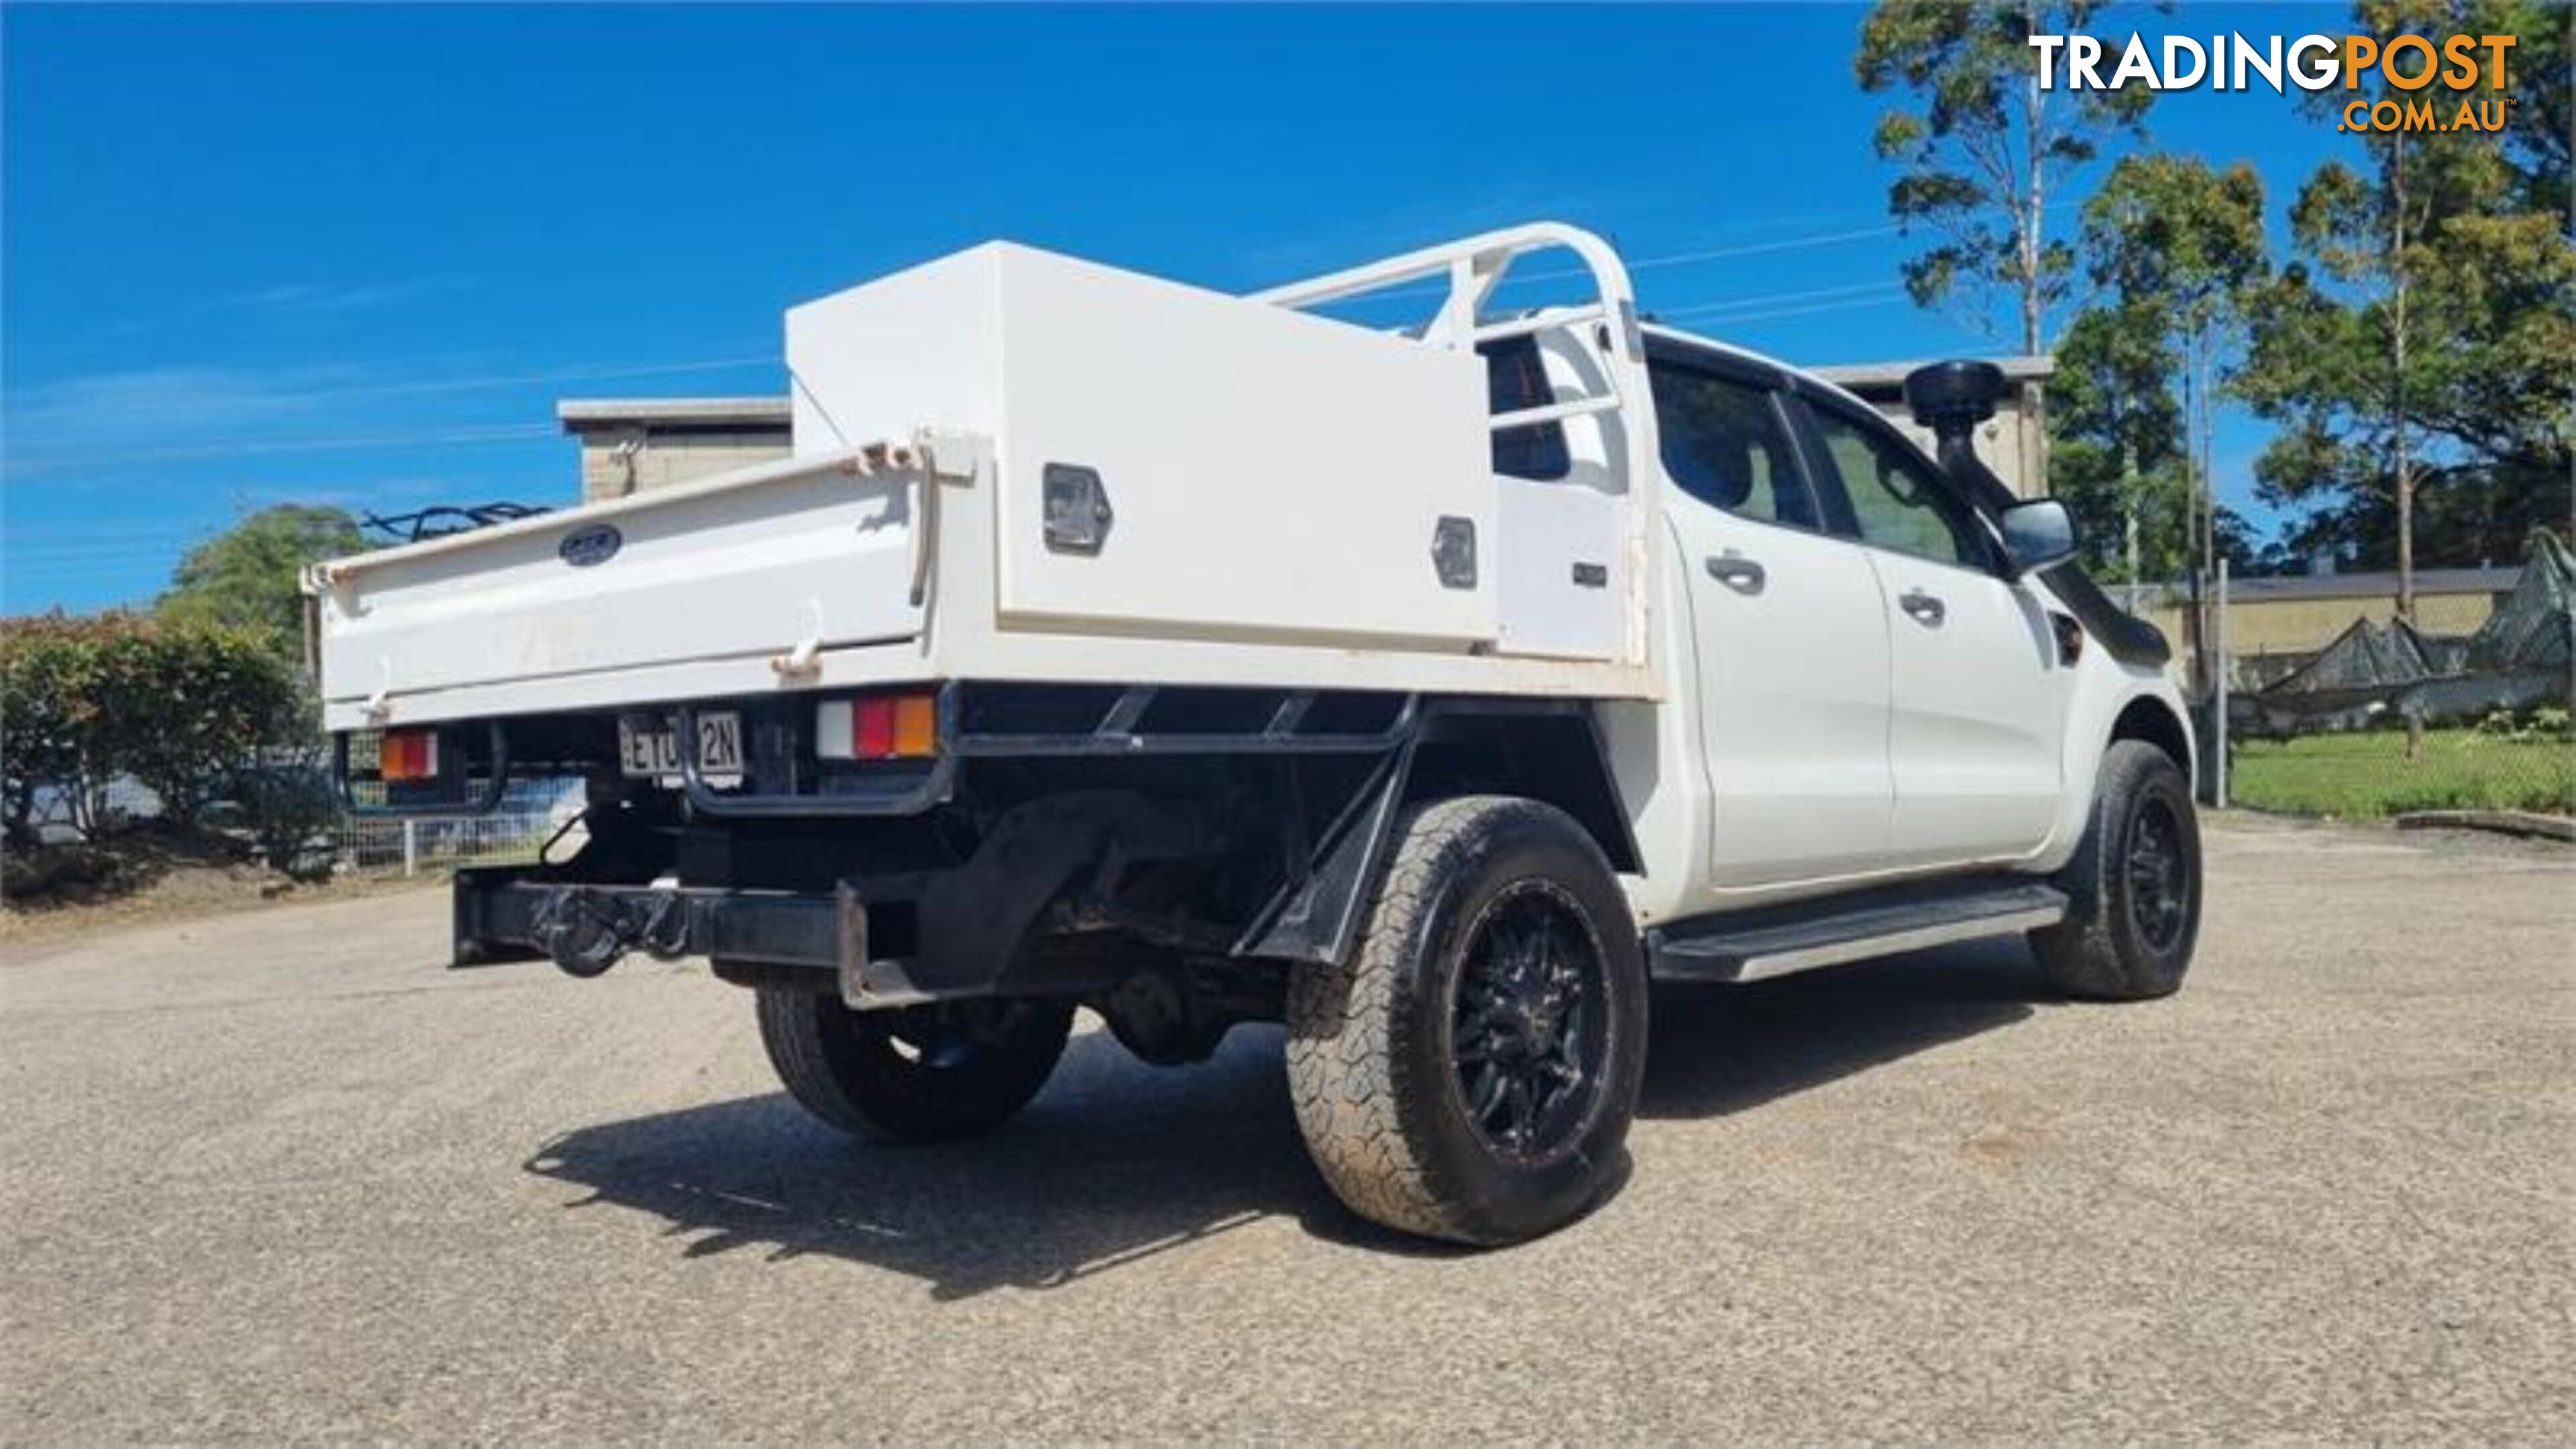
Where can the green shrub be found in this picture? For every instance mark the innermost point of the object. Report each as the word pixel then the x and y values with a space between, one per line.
pixel 186 704
pixel 51 735
pixel 176 705
pixel 283 807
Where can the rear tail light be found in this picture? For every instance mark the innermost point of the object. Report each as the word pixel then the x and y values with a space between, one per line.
pixel 409 755
pixel 877 727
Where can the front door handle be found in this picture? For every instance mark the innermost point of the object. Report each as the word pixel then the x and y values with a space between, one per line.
pixel 1927 610
pixel 1737 572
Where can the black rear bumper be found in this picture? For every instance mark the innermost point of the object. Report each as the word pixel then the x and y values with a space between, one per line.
pixel 501 915
pixel 500 918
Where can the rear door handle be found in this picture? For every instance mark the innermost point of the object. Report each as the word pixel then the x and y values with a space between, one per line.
pixel 1927 610
pixel 1737 572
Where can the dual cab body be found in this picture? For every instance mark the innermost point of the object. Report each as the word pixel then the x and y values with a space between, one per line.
pixel 1112 641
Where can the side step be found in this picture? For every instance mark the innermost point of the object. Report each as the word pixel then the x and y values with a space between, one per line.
pixel 1777 940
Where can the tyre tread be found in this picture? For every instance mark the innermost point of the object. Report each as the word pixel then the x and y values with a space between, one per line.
pixel 1346 1033
pixel 796 1029
pixel 2083 954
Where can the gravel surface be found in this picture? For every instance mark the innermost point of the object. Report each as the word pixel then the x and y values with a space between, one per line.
pixel 279 1176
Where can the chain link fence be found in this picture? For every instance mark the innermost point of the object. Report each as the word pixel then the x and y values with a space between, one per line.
pixel 2387 719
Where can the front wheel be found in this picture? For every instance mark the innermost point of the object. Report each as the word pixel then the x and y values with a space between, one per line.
pixel 2133 889
pixel 1471 1073
pixel 919 1074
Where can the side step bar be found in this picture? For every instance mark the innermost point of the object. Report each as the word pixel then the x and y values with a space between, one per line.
pixel 1777 940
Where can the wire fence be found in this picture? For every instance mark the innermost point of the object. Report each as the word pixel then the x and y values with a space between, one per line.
pixel 531 813
pixel 2507 764
pixel 2386 718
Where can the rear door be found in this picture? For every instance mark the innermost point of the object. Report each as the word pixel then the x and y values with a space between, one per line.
pixel 1976 690
pixel 1789 634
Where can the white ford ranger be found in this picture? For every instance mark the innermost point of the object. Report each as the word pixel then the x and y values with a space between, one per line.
pixel 1200 659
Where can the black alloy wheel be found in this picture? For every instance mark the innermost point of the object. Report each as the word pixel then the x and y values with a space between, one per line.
pixel 1527 1036
pixel 2159 879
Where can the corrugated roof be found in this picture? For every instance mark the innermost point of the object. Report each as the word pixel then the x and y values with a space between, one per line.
pixel 2035 367
pixel 576 414
pixel 2374 585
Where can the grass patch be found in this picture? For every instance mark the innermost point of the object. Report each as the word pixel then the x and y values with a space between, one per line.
pixel 2366 775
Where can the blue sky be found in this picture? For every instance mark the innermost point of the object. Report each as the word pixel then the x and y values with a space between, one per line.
pixel 356 255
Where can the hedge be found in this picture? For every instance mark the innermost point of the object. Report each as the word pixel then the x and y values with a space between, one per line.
pixel 180 707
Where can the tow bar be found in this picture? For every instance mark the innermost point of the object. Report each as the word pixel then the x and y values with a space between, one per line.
pixel 586 930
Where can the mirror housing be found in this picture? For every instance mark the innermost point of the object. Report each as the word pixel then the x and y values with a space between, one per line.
pixel 2038 533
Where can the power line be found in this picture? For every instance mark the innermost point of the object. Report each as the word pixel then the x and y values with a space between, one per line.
pixel 498 432
pixel 1432 285
pixel 1814 307
pixel 487 433
pixel 1699 309
pixel 570 374
pixel 1753 249
pixel 515 432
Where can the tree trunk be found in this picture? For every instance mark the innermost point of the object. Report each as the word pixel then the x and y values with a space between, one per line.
pixel 88 805
pixel 2204 490
pixel 2034 211
pixel 2129 516
pixel 2402 459
pixel 2195 617
pixel 2034 218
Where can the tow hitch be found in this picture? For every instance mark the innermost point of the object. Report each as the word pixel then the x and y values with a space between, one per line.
pixel 586 930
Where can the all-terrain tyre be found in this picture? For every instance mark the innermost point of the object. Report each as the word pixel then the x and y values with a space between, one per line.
pixel 1471 1073
pixel 920 1074
pixel 2134 886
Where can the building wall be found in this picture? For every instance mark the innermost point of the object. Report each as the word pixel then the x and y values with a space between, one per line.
pixel 2011 442
pixel 2305 625
pixel 630 458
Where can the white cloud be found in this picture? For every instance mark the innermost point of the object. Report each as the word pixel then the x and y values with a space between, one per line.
pixel 327 297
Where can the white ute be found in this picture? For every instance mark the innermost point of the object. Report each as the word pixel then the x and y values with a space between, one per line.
pixel 1200 658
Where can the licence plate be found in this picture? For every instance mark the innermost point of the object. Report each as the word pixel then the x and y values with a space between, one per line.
pixel 651 748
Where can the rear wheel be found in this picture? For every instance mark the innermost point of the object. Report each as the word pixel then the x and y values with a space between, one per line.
pixel 920 1074
pixel 2134 886
pixel 1472 1072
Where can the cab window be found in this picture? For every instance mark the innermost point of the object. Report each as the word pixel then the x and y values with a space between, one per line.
pixel 1897 503
pixel 1722 443
pixel 1516 378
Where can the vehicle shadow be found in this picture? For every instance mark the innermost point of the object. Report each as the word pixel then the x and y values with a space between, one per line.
pixel 1719 1049
pixel 1115 1161
pixel 1118 1161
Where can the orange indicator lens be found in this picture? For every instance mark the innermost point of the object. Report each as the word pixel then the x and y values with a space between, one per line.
pixel 409 755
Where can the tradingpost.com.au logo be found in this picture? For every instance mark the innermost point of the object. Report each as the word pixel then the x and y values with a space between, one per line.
pixel 2446 74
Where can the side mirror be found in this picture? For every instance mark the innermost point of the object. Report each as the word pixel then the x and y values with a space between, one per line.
pixel 2037 534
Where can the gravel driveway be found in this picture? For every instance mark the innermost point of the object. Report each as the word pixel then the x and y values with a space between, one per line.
pixel 278 1175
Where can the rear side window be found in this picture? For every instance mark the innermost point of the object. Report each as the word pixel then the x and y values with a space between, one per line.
pixel 1515 378
pixel 1723 444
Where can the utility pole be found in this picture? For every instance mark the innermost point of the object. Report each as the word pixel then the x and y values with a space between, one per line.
pixel 2218 716
pixel 2195 620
